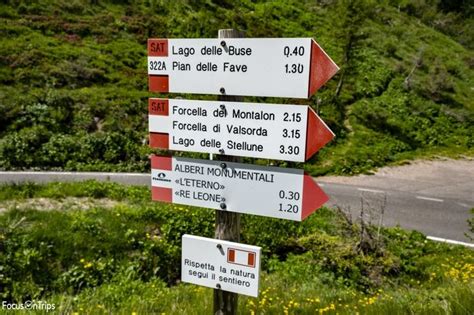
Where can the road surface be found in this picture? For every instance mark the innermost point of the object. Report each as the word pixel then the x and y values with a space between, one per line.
pixel 433 197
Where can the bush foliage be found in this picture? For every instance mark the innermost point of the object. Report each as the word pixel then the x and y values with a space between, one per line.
pixel 71 255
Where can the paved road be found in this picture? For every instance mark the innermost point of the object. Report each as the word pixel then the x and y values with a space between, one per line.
pixel 434 197
pixel 434 216
pixel 412 203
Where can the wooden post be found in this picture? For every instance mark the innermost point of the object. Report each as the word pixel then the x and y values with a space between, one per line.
pixel 227 223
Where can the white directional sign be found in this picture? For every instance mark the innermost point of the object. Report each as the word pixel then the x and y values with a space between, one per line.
pixel 220 264
pixel 261 190
pixel 281 132
pixel 279 67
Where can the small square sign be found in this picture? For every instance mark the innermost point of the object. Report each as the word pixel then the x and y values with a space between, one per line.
pixel 220 264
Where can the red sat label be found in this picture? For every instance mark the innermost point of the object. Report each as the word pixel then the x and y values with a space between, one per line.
pixel 158 107
pixel 158 47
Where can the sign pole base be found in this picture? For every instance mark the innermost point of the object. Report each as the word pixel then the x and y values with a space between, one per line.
pixel 227 223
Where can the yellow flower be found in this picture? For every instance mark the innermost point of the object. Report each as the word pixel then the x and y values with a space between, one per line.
pixel 82 260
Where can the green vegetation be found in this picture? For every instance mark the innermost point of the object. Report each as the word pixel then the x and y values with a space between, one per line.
pixel 73 81
pixel 121 254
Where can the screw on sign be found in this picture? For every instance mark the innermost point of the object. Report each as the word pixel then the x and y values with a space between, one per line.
pixel 275 67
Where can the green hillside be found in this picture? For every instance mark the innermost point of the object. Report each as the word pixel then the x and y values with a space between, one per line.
pixel 73 77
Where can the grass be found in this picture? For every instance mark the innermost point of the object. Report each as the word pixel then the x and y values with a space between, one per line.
pixel 124 259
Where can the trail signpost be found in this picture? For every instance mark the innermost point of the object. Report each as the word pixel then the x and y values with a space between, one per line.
pixel 229 266
pixel 281 132
pixel 275 192
pixel 231 67
pixel 278 67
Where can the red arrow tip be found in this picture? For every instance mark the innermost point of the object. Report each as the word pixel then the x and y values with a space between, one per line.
pixel 317 134
pixel 313 196
pixel 322 68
